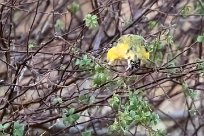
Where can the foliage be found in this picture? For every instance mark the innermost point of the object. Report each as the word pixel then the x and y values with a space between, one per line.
pixel 199 7
pixel 156 133
pixel 114 102
pixel 73 7
pixel 3 127
pixel 30 46
pixel 100 76
pixel 200 66
pixel 99 73
pixel 59 25
pixel 85 63
pixel 18 129
pixel 154 47
pixel 57 100
pixel 151 24
pixel 85 99
pixel 134 111
pixel 69 116
pixel 186 10
pixel 171 68
pixel 200 38
pixel 189 92
pixel 86 133
pixel 91 21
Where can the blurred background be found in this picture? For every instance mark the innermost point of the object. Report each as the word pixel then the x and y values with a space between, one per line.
pixel 55 79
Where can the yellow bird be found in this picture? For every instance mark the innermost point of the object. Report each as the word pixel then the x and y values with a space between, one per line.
pixel 129 47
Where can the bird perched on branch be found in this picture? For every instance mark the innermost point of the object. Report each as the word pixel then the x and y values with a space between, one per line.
pixel 129 47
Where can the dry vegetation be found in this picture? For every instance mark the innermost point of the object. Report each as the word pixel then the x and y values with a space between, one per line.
pixel 40 41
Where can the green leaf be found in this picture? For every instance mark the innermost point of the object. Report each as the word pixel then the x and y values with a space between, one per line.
pixel 73 8
pixel 115 126
pixel 99 79
pixel 200 38
pixel 69 117
pixel 155 119
pixel 198 6
pixel 189 92
pixel 114 101
pixel 18 129
pixel 30 46
pixel 155 47
pixel 84 63
pixel 57 100
pixel 91 21
pixel 99 69
pixel 135 111
pixel 59 25
pixel 156 133
pixel 3 127
pixel 71 111
pixel 75 117
pixel 85 99
pixel 158 57
pixel 186 10
pixel 77 62
pixel 169 39
pixel 200 66
pixel 152 24
pixel 86 133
